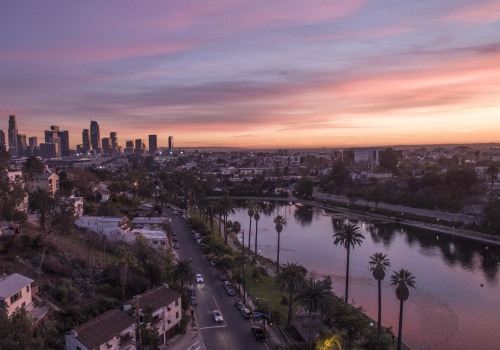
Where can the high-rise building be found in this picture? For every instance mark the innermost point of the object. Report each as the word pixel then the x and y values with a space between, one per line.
pixel 114 139
pixel 153 144
pixel 33 141
pixel 138 146
pixel 64 137
pixel 12 135
pixel 22 145
pixel 3 146
pixel 129 147
pixel 95 136
pixel 85 140
pixel 170 143
pixel 106 148
pixel 49 150
pixel 49 134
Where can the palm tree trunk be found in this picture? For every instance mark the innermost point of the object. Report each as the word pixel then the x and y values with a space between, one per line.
pixel 379 308
pixel 310 330
pixel 347 277
pixel 278 256
pixel 249 234
pixel 225 228
pixel 256 228
pixel 290 308
pixel 400 331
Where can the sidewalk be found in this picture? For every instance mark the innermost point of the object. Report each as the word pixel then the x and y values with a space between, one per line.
pixel 192 340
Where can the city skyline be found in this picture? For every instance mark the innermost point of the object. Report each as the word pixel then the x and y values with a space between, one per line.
pixel 255 74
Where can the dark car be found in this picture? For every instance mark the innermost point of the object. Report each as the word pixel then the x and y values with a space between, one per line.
pixel 176 245
pixel 238 305
pixel 194 302
pixel 258 333
pixel 230 292
pixel 222 277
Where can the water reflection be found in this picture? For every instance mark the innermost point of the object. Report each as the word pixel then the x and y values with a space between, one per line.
pixel 455 276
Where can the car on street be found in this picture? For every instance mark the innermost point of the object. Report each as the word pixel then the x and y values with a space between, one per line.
pixel 222 277
pixel 194 301
pixel 192 292
pixel 175 239
pixel 176 245
pixel 199 278
pixel 230 292
pixel 217 316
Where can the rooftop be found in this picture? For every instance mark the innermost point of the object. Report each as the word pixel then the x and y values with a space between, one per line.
pixel 12 283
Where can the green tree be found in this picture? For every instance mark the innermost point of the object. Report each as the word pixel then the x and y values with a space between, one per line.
pixel 379 263
pixel 348 237
pixel 33 166
pixel 250 213
pixel 183 272
pixel 492 172
pixel 279 222
pixel 315 296
pixel 16 332
pixel 402 280
pixel 44 203
pixel 304 187
pixel 290 279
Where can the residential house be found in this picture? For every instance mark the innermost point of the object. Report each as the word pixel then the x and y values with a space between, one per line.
pixel 112 330
pixel 165 304
pixel 113 227
pixel 47 180
pixel 15 293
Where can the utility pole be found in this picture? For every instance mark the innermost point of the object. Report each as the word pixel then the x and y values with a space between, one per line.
pixel 243 263
pixel 138 320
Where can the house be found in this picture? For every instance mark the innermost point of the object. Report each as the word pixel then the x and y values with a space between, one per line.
pixel 113 227
pixel 165 304
pixel 156 238
pixel 150 223
pixel 112 330
pixel 15 293
pixel 47 180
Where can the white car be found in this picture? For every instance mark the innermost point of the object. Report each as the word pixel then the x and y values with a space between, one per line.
pixel 199 278
pixel 217 316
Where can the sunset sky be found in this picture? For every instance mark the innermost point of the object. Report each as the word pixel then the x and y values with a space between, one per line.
pixel 252 73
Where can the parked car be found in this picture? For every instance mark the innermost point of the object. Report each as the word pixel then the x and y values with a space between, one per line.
pixel 258 333
pixel 230 292
pixel 176 245
pixel 191 292
pixel 194 301
pixel 238 305
pixel 199 278
pixel 222 277
pixel 245 313
pixel 217 316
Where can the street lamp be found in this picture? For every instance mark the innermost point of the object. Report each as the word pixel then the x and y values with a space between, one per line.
pixel 243 263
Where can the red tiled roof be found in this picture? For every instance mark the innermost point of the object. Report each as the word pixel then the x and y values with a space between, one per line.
pixel 103 328
pixel 156 297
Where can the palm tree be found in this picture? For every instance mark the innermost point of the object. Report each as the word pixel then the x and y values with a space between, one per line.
pixel 290 279
pixel 256 216
pixel 315 296
pixel 348 237
pixel 250 214
pixel 379 263
pixel 402 280
pixel 227 207
pixel 183 272
pixel 125 259
pixel 280 222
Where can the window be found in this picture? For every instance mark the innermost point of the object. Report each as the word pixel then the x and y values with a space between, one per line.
pixel 15 297
pixel 28 288
pixel 177 314
pixel 177 302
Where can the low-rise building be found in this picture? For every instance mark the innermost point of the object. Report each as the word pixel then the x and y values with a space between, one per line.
pixel 47 180
pixel 165 304
pixel 15 293
pixel 113 330
pixel 115 228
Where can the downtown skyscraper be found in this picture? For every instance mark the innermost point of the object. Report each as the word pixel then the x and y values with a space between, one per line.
pixel 153 144
pixel 95 136
pixel 12 135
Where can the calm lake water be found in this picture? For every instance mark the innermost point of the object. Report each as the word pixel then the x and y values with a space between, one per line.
pixel 456 303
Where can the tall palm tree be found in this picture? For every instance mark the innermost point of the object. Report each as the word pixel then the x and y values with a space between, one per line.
pixel 125 259
pixel 227 207
pixel 256 217
pixel 315 296
pixel 280 222
pixel 183 272
pixel 250 212
pixel 402 280
pixel 290 279
pixel 379 263
pixel 348 237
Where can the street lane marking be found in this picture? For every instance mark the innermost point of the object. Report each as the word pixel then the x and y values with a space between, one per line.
pixel 209 327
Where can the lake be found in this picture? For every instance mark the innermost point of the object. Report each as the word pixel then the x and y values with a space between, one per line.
pixel 456 301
